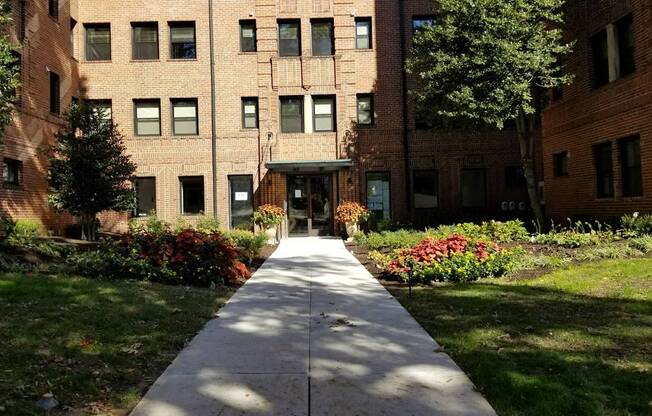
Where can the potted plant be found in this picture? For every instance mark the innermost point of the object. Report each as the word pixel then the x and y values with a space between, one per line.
pixel 350 214
pixel 268 217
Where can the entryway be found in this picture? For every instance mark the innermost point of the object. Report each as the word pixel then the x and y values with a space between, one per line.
pixel 309 205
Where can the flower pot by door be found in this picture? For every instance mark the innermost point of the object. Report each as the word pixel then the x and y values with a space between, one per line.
pixel 271 234
pixel 351 229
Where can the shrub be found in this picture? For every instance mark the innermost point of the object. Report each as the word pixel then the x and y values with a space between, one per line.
pixel 208 225
pixel 189 257
pixel 151 225
pixel 390 239
pixel 637 224
pixel 249 243
pixel 7 227
pixel 267 216
pixel 351 212
pixel 642 244
pixel 454 259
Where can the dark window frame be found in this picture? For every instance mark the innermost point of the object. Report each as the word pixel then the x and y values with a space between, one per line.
pixel 333 115
pixel 134 43
pixel 437 188
pixel 372 109
pixel 322 21
pixel 53 9
pixel 55 93
pixel 627 62
pixel 389 180
pixel 603 174
pixel 94 26
pixel 173 103
pixel 625 171
pixel 599 64
pixel 301 112
pixel 248 24
pixel 486 194
pixel 297 22
pixel 182 24
pixel 136 211
pixel 145 101
pixel 182 196
pixel 560 164
pixel 7 163
pixel 244 101
pixel 250 178
pixel 368 21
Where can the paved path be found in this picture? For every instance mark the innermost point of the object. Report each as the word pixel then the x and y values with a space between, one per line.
pixel 312 333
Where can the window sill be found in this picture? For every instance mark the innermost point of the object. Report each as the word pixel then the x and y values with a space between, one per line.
pixel 364 50
pixel 254 53
pixel 147 136
pixel 144 60
pixel 186 136
pixel 13 186
pixel 181 60
pixel 96 61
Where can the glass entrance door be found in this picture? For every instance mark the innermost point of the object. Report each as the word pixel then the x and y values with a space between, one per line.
pixel 309 208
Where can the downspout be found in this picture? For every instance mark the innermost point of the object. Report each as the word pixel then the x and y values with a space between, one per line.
pixel 213 122
pixel 404 98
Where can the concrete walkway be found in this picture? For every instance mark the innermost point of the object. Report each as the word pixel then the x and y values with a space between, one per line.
pixel 312 333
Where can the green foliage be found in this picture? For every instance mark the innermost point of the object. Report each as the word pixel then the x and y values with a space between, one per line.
pixel 578 234
pixel 268 216
pixel 206 224
pixel 89 168
pixel 484 59
pixel 642 244
pixel 9 70
pixel 637 224
pixel 248 243
pixel 151 225
pixel 7 227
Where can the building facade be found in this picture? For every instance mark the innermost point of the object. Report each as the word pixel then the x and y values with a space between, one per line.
pixel 597 133
pixel 229 105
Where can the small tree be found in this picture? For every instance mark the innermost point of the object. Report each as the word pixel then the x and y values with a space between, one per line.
pixel 9 70
pixel 89 170
pixel 492 61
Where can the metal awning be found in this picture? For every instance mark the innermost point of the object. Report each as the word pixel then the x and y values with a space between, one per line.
pixel 308 166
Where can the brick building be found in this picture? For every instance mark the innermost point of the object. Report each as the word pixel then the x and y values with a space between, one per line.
pixel 227 105
pixel 597 134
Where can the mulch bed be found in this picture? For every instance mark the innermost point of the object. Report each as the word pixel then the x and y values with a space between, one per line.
pixel 264 254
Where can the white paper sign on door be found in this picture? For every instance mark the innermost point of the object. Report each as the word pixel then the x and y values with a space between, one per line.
pixel 241 196
pixel 297 193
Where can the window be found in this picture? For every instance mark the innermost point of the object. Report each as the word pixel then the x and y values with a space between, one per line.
pixel 604 176
pixel 192 195
pixel 600 50
pixel 625 33
pixel 242 202
pixel 378 195
pixel 53 8
pixel 182 40
pixel 12 172
pixel 514 177
pixel 426 189
pixel 560 164
pixel 145 41
pixel 474 188
pixel 323 39
pixel 145 196
pixel 324 113
pixel 184 117
pixel 21 24
pixel 250 113
pixel 102 107
pixel 365 109
pixel 289 38
pixel 630 163
pixel 363 33
pixel 419 22
pixel 148 117
pixel 292 114
pixel 71 40
pixel 247 36
pixel 55 94
pixel 98 42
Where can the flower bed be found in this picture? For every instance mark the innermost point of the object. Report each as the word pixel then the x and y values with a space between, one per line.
pixel 456 259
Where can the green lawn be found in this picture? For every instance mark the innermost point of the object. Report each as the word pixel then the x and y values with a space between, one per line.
pixel 573 342
pixel 96 345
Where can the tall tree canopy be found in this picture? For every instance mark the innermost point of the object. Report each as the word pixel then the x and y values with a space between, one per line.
pixel 492 61
pixel 9 69
pixel 89 169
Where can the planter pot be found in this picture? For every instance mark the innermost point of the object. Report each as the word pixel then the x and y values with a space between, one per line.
pixel 271 233
pixel 351 229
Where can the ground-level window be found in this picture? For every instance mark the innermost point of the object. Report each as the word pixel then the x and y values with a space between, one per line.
pixel 292 114
pixel 560 163
pixel 474 188
pixel 630 163
pixel 242 201
pixel 145 196
pixel 12 172
pixel 604 175
pixel 426 189
pixel 514 177
pixel 378 194
pixel 192 195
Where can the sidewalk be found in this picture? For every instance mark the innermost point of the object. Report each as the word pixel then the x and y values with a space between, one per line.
pixel 312 333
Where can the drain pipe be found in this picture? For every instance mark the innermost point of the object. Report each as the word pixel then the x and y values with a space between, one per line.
pixel 213 122
pixel 406 140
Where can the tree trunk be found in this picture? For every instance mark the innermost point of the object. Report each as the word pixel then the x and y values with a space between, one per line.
pixel 89 233
pixel 526 128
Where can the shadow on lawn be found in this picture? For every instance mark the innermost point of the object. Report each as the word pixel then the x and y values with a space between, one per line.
pixel 541 351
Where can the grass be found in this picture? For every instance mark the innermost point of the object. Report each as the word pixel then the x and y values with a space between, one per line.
pixel 96 345
pixel 577 341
